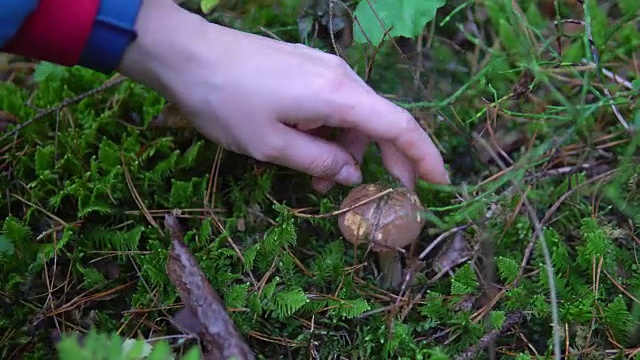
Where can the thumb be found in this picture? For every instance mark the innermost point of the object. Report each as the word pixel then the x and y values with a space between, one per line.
pixel 317 157
pixel 356 144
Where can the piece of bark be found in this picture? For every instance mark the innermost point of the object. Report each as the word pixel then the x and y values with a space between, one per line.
pixel 218 335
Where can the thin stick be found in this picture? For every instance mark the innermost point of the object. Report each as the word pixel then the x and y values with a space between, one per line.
pixel 63 104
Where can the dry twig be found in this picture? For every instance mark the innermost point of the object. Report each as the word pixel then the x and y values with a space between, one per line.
pixel 512 320
pixel 63 104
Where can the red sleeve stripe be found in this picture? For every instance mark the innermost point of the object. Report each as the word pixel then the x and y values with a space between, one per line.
pixel 57 31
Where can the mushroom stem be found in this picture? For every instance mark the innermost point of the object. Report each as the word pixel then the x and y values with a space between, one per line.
pixel 391 268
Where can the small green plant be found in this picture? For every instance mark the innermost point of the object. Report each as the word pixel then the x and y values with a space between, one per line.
pixel 100 346
pixel 379 19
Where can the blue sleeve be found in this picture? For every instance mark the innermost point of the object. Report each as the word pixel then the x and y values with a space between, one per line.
pixel 13 13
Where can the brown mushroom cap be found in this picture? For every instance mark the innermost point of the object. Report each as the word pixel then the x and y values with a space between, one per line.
pixel 390 221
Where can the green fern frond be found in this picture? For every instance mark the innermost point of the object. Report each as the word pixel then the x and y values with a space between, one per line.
pixel 286 303
pixel 109 240
pixel 6 247
pixel 48 250
pixel 236 296
pixel 277 237
pixel 497 317
pixel 329 264
pixel 464 281
pixel 596 243
pixel 109 154
pixel 165 167
pixel 88 204
pixel 188 159
pixel 507 269
pixel 618 318
pixel 314 305
pixel 434 306
pixel 249 254
pixel 186 193
pixel 15 231
pixel 348 309
pixel 92 277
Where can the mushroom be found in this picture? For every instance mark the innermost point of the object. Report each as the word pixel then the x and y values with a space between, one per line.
pixel 388 222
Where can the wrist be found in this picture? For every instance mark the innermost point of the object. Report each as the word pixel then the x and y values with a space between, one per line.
pixel 113 30
pixel 163 50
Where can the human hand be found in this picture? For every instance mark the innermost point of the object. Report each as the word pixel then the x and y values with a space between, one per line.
pixel 264 98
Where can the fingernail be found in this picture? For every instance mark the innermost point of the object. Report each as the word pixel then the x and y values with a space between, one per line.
pixel 349 175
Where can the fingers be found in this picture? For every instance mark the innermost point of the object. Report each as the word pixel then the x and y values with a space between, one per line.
pixel 315 156
pixel 383 121
pixel 346 103
pixel 352 141
pixel 343 100
pixel 397 164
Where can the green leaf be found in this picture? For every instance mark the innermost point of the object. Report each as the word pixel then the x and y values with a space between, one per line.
pixel 48 71
pixel 208 5
pixel 135 349
pixel 403 17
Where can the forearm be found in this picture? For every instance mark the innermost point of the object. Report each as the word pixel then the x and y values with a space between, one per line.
pixel 90 33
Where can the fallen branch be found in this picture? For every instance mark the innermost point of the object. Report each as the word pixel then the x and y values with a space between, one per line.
pixel 204 313
pixel 512 320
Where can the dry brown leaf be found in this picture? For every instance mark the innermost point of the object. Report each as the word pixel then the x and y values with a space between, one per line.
pixel 452 254
pixel 523 86
pixel 171 117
